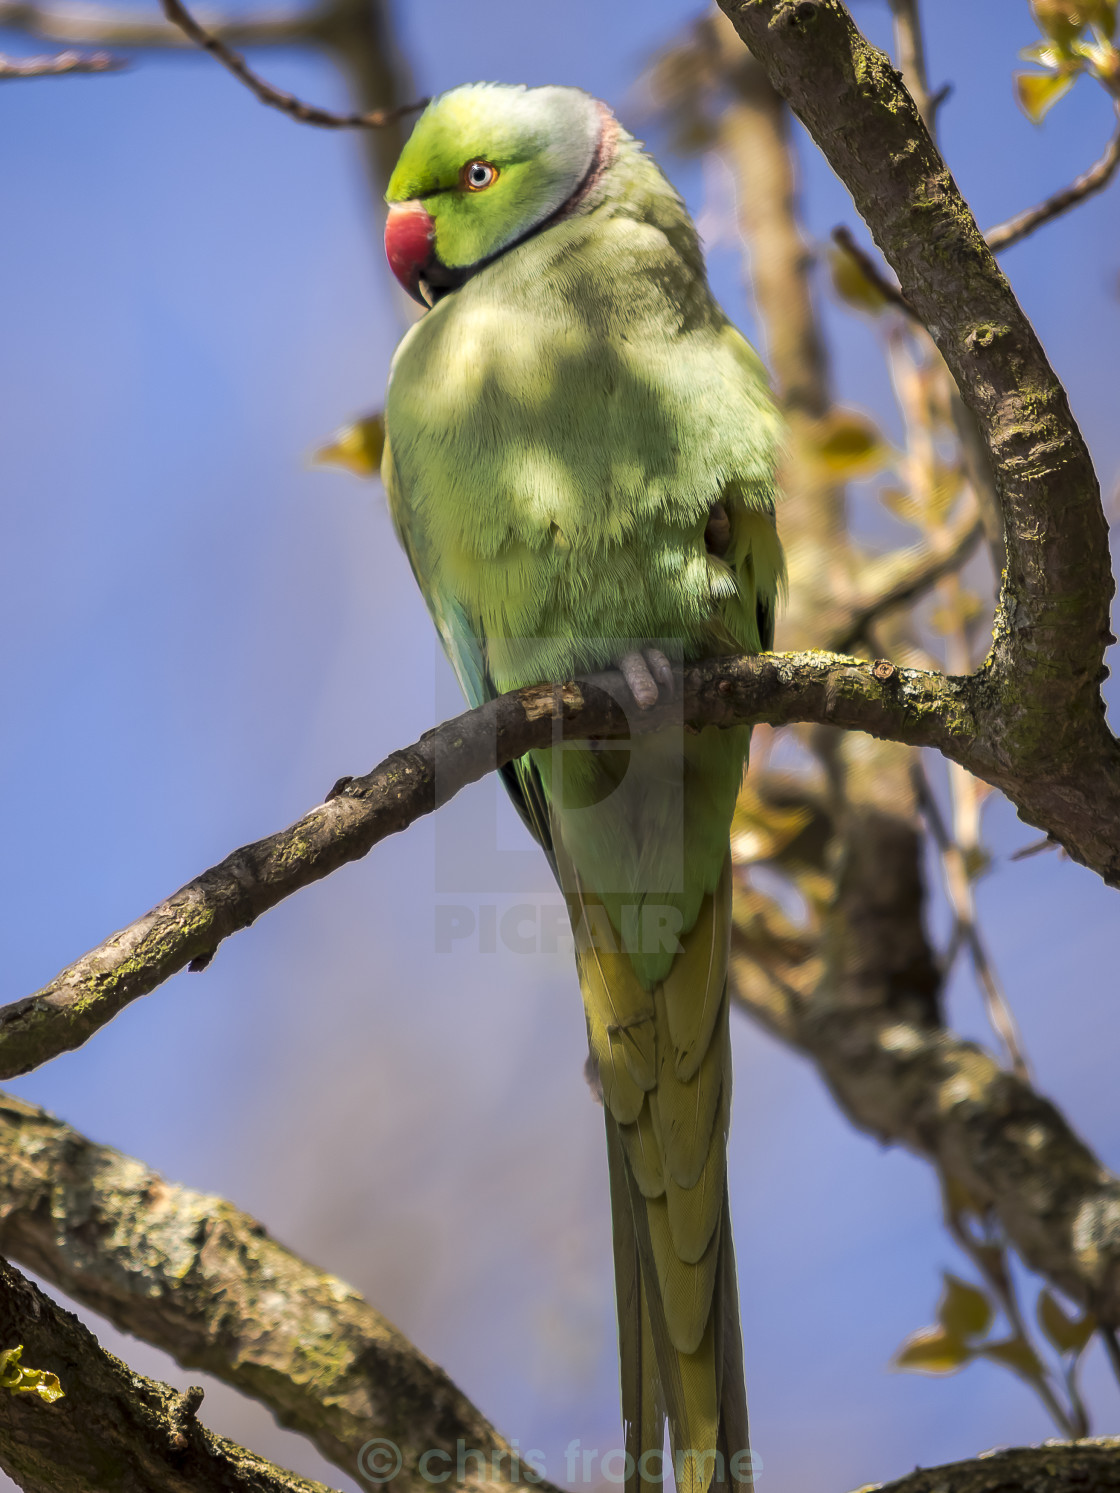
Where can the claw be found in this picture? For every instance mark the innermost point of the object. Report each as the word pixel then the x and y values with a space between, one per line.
pixel 639 680
pixel 661 669
pixel 646 674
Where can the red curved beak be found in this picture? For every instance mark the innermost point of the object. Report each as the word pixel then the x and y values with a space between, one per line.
pixel 410 232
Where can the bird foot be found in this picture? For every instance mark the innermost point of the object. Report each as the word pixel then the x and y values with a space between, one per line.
pixel 647 672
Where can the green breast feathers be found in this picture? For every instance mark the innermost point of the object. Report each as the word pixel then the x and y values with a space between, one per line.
pixel 577 408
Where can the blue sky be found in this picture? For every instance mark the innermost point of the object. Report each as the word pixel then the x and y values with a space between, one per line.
pixel 200 634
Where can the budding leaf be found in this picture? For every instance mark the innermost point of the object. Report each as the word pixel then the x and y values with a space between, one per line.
pixel 1067 1334
pixel 21 1380
pixel 1037 93
pixel 932 1350
pixel 1016 1354
pixel 964 1311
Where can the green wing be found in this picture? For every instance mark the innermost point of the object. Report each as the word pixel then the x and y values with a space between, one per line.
pixel 465 646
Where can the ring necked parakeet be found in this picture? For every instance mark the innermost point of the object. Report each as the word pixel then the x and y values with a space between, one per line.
pixel 580 465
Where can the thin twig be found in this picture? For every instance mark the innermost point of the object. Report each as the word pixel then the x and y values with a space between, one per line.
pixel 911 49
pixel 1092 181
pixel 991 1266
pixel 957 884
pixel 1112 1348
pixel 1036 847
pixel 59 64
pixel 842 236
pixel 276 98
pixel 903 578
pixel 106 25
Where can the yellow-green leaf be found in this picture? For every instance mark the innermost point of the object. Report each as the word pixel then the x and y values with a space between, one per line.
pixel 1016 1354
pixel 19 1380
pixel 932 1350
pixel 1067 1334
pixel 850 282
pixel 1046 54
pixel 761 831
pixel 1037 93
pixel 1063 20
pixel 356 447
pixel 849 445
pixel 964 1311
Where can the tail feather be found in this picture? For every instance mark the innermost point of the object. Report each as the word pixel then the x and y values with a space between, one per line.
pixel 680 1344
pixel 642 1398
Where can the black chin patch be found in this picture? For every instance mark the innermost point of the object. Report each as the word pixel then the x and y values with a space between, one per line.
pixel 440 279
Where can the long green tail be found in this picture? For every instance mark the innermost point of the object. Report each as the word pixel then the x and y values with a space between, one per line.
pixel 664 1063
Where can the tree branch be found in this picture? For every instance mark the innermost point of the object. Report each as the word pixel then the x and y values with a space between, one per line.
pixel 101 24
pixel 910 1081
pixel 1088 184
pixel 1053 1467
pixel 114 1429
pixel 908 704
pixel 1053 623
pixel 276 98
pixel 205 1282
pixel 901 578
pixel 59 64
pixel 914 706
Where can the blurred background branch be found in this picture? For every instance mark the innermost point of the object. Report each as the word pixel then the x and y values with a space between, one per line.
pixel 59 64
pixel 358 35
pixel 276 98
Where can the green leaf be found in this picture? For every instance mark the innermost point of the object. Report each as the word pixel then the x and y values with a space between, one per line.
pixel 1037 93
pixel 1016 1354
pixel 964 1311
pixel 932 1350
pixel 19 1380
pixel 1067 1334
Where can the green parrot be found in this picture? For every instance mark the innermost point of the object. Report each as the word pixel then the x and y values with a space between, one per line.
pixel 579 462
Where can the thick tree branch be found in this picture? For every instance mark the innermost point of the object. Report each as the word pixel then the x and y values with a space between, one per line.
pixel 1052 628
pixel 1053 1467
pixel 914 706
pixel 114 1429
pixel 910 1081
pixel 907 704
pixel 205 1282
pixel 59 64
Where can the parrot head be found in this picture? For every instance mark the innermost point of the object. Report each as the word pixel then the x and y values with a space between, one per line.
pixel 486 166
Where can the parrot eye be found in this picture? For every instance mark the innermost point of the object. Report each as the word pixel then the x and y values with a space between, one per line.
pixel 476 176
